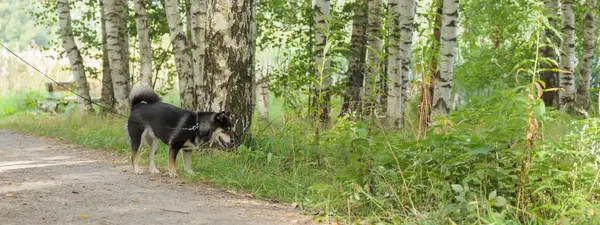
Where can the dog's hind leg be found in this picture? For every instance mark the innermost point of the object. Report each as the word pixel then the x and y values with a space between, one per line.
pixel 187 160
pixel 135 132
pixel 150 139
pixel 172 159
pixel 135 147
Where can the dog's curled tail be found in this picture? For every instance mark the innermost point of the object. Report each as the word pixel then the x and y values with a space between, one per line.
pixel 143 94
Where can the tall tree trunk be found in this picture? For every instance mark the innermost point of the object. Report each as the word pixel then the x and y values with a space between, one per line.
pixel 229 70
pixel 116 51
pixel 394 62
pixel 125 39
pixel 407 16
pixel 585 67
pixel 198 24
pixel 261 87
pixel 443 88
pixel 141 22
pixel 550 78
pixel 188 22
pixel 323 75
pixel 374 42
pixel 356 67
pixel 262 95
pixel 567 60
pixel 399 56
pixel 77 68
pixel 107 97
pixel 429 81
pixel 182 58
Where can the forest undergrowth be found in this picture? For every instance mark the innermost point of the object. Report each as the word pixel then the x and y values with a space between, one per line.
pixel 477 166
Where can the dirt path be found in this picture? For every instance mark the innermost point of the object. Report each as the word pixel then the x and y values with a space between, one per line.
pixel 45 182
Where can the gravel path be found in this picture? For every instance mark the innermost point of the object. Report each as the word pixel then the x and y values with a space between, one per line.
pixel 43 181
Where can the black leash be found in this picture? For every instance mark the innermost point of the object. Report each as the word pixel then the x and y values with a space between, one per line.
pixel 195 127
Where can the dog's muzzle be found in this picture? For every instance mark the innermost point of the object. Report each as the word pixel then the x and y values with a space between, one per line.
pixel 225 139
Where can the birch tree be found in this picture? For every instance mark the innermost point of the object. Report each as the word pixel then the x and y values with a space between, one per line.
pixel 229 71
pixel 70 47
pixel 107 94
pixel 448 35
pixel 567 58
pixel 550 78
pixel 322 10
pixel 394 99
pixel 407 16
pixel 399 52
pixel 198 24
pixel 262 94
pixel 356 66
pixel 124 35
pixel 585 66
pixel 374 45
pixel 180 51
pixel 116 47
pixel 141 24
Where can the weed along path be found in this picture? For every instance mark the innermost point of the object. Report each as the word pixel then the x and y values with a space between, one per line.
pixel 45 182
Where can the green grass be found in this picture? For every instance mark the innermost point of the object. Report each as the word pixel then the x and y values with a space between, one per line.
pixel 358 171
pixel 235 171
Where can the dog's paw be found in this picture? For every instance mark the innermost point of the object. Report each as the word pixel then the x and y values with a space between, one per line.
pixel 189 171
pixel 154 170
pixel 139 171
pixel 172 174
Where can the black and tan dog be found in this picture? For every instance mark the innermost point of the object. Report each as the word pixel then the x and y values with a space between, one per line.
pixel 180 129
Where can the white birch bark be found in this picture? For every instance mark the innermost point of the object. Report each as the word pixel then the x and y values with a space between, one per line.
pixel 124 35
pixel 262 94
pixel 394 63
pixel 70 47
pixel 567 60
pixel 198 24
pixel 323 75
pixel 180 51
pixel 407 16
pixel 260 87
pixel 229 73
pixel 141 24
pixel 116 51
pixel 443 88
pixel 374 47
pixel 585 67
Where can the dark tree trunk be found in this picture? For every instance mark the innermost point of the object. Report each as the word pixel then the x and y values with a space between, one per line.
pixel 107 98
pixel 550 78
pixel 356 68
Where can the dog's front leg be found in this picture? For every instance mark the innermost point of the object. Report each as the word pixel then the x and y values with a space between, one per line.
pixel 172 159
pixel 187 160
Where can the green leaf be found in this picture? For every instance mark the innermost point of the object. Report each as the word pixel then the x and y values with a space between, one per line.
pixel 539 110
pixel 457 187
pixel 492 195
pixel 483 150
pixel 460 198
pixel 500 201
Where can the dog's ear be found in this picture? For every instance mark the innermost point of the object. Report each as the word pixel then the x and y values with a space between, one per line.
pixel 222 115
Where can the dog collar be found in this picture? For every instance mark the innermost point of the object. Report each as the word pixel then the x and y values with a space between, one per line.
pixel 196 126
